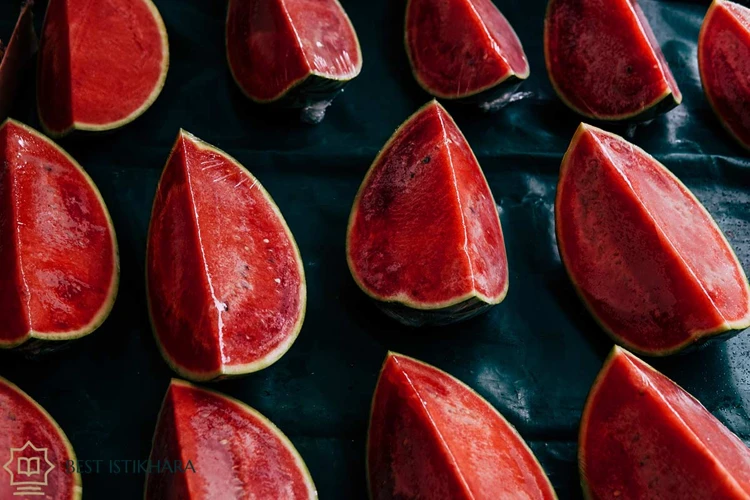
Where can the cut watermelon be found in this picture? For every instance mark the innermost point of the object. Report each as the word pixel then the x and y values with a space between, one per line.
pixel 463 48
pixel 605 62
pixel 101 64
pixel 58 253
pixel 424 236
pixel 226 286
pixel 296 53
pixel 643 436
pixel 724 62
pixel 234 451
pixel 28 433
pixel 646 257
pixel 432 437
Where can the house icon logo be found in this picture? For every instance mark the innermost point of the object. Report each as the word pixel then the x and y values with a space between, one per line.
pixel 29 468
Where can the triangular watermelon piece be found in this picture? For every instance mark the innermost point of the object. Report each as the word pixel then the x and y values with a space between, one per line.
pixel 29 434
pixel 646 257
pixel 463 48
pixel 59 266
pixel 101 64
pixel 225 282
pixel 424 235
pixel 605 62
pixel 223 449
pixel 724 62
pixel 432 437
pixel 643 436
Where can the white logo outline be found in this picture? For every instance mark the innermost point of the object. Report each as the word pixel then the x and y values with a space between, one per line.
pixel 25 486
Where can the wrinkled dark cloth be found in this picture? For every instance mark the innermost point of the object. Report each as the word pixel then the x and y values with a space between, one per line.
pixel 533 357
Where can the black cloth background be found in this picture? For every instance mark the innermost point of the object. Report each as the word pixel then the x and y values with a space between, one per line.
pixel 533 357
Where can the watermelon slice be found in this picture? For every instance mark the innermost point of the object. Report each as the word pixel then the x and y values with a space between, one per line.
pixel 226 286
pixel 645 256
pixel 58 253
pixel 424 236
pixel 234 451
pixel 463 48
pixel 16 57
pixel 101 64
pixel 605 62
pixel 296 53
pixel 28 432
pixel 724 62
pixel 432 437
pixel 643 436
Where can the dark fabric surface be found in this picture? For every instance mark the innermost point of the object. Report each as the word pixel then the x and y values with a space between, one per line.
pixel 533 357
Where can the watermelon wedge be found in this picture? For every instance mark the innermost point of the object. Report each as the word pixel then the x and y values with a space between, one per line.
pixel 28 432
pixel 724 62
pixel 460 49
pixel 432 437
pixel 604 61
pixel 646 257
pixel 234 451
pixel 643 436
pixel 424 237
pixel 101 64
pixel 59 266
pixel 295 53
pixel 225 282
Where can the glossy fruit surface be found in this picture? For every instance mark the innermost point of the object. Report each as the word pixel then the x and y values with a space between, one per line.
pixel 646 257
pixel 605 62
pixel 299 53
pixel 724 62
pixel 424 234
pixel 58 253
pixel 460 48
pixel 225 282
pixel 28 432
pixel 432 437
pixel 101 63
pixel 643 436
pixel 235 451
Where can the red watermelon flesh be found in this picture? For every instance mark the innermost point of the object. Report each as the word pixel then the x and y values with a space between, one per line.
pixel 225 281
pixel 16 57
pixel 460 48
pixel 432 437
pixel 643 436
pixel 424 230
pixel 275 45
pixel 605 62
pixel 28 431
pixel 235 451
pixel 645 255
pixel 102 63
pixel 724 61
pixel 58 254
